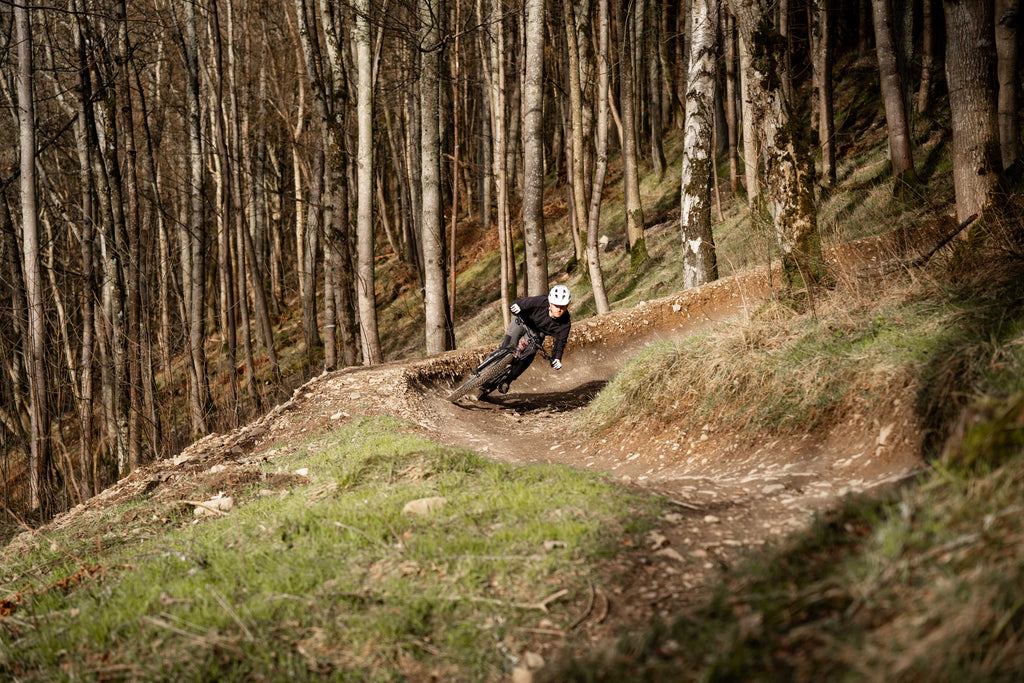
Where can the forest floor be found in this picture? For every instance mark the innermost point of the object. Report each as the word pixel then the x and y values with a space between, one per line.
pixel 729 493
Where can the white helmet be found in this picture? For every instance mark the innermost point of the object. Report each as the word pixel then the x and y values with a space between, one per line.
pixel 559 295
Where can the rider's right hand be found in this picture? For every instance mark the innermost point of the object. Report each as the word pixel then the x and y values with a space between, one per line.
pixel 515 309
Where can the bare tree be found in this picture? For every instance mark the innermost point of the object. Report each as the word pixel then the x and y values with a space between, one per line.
pixel 438 330
pixel 630 165
pixel 699 260
pixel 824 39
pixel 970 70
pixel 364 212
pixel 893 93
pixel 533 150
pixel 601 165
pixel 39 459
pixel 1008 51
pixel 787 171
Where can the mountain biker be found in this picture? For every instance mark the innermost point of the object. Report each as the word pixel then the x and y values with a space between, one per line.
pixel 548 315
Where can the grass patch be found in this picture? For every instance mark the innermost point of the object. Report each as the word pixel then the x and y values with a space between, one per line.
pixel 782 371
pixel 330 577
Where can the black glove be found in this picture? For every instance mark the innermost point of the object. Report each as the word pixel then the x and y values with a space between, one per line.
pixel 556 364
pixel 515 309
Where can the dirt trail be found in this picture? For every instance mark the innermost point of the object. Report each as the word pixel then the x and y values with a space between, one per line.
pixel 728 495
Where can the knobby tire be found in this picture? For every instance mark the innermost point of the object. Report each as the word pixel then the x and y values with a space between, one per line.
pixel 477 381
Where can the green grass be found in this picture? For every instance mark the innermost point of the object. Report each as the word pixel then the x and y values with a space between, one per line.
pixel 326 578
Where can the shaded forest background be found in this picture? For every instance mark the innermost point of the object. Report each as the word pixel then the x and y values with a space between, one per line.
pixel 180 180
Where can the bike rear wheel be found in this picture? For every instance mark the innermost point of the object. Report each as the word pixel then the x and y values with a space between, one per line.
pixel 489 373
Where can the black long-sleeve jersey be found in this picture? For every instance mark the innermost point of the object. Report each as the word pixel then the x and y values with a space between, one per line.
pixel 534 311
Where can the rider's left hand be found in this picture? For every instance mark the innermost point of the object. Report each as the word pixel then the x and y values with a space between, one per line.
pixel 556 364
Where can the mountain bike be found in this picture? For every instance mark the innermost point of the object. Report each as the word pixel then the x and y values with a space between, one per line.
pixel 497 369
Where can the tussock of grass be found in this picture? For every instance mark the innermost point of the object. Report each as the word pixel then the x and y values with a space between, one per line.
pixel 328 578
pixel 781 371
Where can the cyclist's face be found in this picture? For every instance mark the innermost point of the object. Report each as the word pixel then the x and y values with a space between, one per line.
pixel 556 311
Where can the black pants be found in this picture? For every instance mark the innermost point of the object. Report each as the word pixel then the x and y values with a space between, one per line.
pixel 515 332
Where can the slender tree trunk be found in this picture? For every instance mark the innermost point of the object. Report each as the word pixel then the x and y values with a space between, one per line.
pixel 699 259
pixel 85 364
pixel 533 151
pixel 893 92
pixel 39 458
pixel 630 165
pixel 825 38
pixel 199 389
pixel 436 307
pixel 601 165
pixel 1008 50
pixel 364 219
pixel 924 90
pixel 492 56
pixel 576 118
pixel 133 338
pixel 731 114
pixel 654 87
pixel 970 73
pixel 751 152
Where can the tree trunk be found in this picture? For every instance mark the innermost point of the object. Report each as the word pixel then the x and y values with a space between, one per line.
pixel 823 44
pixel 85 363
pixel 35 345
pixel 630 167
pixel 751 153
pixel 892 91
pixel 577 184
pixel 970 73
pixel 1007 50
pixel 731 114
pixel 533 151
pixel 924 90
pixel 364 218
pixel 699 260
pixel 654 88
pixel 199 388
pixel 435 295
pixel 601 165
pixel 492 57
pixel 787 175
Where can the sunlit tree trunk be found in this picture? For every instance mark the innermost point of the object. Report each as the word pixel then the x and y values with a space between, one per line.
pixel 787 173
pixel 699 258
pixel 577 185
pixel 970 74
pixel 731 115
pixel 823 45
pixel 630 165
pixel 364 217
pixel 435 295
pixel 900 145
pixel 533 151
pixel 601 161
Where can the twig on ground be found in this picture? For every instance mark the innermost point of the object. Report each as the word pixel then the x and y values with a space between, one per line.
pixel 590 607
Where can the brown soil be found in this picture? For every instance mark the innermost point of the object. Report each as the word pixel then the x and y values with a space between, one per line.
pixel 728 494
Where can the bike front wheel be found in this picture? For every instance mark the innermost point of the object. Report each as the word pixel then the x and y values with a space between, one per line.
pixel 489 373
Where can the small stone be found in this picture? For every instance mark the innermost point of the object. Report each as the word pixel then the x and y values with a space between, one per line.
pixel 671 553
pixel 521 674
pixel 533 661
pixel 424 506
pixel 711 519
